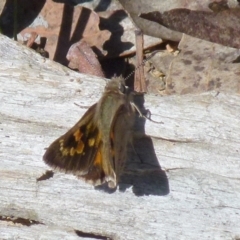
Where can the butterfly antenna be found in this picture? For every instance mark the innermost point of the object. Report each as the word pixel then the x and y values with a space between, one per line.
pixel 148 115
pixel 142 64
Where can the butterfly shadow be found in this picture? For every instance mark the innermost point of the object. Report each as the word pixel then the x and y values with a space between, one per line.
pixel 142 172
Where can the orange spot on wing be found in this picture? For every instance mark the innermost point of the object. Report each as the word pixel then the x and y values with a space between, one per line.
pixel 80 147
pixel 72 151
pixel 65 152
pixel 98 158
pixel 78 134
pixel 89 126
pixel 91 142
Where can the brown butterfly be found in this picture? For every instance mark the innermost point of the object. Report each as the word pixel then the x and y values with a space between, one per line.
pixel 95 147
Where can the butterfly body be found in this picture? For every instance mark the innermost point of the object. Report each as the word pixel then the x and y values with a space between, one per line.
pixel 95 147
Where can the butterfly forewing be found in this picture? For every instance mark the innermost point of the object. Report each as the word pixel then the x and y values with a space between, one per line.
pixel 76 150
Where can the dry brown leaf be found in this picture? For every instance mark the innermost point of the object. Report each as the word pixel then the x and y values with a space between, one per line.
pixel 135 7
pixel 219 27
pixel 82 57
pixel 115 19
pixel 62 25
pixel 32 39
pixel 65 25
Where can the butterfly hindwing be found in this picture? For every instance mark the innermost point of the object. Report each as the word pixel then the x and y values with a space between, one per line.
pixel 120 137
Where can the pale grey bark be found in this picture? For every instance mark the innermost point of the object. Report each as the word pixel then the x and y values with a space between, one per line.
pixel 198 197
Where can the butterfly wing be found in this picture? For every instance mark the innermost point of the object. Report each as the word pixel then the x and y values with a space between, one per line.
pixel 120 136
pixel 79 151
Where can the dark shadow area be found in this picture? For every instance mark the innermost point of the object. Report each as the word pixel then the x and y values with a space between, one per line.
pixel 40 47
pixel 114 45
pixel 65 40
pixel 16 17
pixel 23 14
pixel 102 5
pixel 237 60
pixel 72 2
pixel 113 67
pixel 91 235
pixel 64 35
pixel 47 175
pixel 119 67
pixel 142 171
pixel 19 220
pixel 104 187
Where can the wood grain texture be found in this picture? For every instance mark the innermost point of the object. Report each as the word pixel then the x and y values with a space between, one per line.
pixel 197 197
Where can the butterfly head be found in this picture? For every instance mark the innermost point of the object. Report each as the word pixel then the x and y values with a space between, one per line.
pixel 117 85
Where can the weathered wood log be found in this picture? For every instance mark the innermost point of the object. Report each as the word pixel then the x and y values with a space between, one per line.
pixel 195 194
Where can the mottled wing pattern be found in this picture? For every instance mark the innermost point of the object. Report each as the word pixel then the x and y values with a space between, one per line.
pixel 79 151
